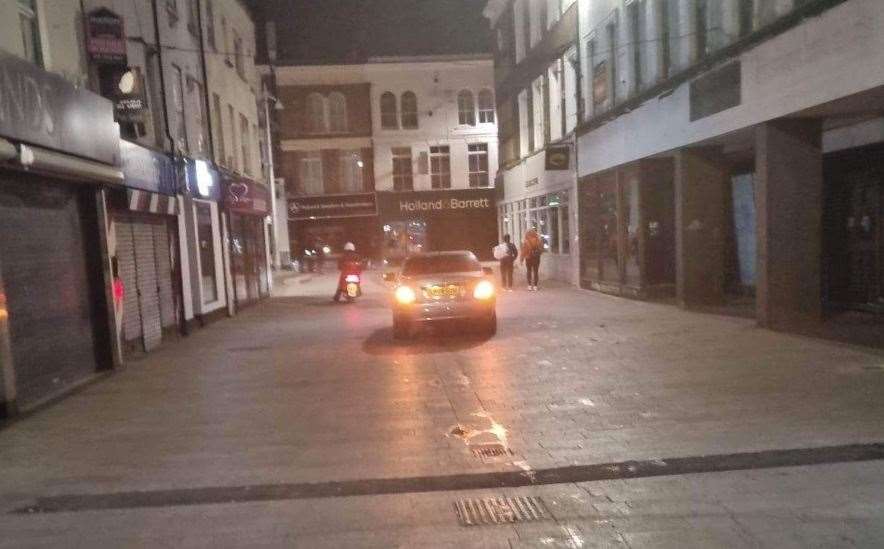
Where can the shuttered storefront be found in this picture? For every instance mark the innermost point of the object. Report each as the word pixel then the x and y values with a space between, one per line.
pixel 53 282
pixel 146 258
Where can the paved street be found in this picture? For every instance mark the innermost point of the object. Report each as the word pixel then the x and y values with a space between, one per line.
pixel 301 423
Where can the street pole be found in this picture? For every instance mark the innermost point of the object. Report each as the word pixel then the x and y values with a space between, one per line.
pixel 272 175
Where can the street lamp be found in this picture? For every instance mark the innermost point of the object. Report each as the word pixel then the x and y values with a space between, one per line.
pixel 277 106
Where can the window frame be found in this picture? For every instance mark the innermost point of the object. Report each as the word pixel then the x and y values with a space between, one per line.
pixel 478 152
pixel 403 180
pixel 337 113
pixel 33 47
pixel 409 118
pixel 440 179
pixel 466 112
pixel 352 176
pixel 315 114
pixel 389 118
pixel 487 113
pixel 311 162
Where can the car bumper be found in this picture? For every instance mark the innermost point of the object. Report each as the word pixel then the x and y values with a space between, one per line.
pixel 444 310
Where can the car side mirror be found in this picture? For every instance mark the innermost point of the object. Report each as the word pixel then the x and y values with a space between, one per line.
pixel 390 277
pixel 488 270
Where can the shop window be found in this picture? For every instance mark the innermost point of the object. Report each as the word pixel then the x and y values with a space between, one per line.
pixel 486 107
pixel 478 164
pixel 409 110
pixel 351 171
pixel 311 173
pixel 206 242
pixel 403 170
pixel 389 116
pixel 315 115
pixel 30 31
pixel 631 220
pixel 466 108
pixel 440 167
pixel 337 109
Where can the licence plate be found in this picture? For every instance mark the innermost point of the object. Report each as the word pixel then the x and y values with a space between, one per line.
pixel 451 291
pixel 352 289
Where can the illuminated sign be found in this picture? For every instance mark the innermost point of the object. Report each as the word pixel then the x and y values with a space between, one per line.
pixel 205 181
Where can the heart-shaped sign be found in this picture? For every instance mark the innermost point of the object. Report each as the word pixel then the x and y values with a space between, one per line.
pixel 238 191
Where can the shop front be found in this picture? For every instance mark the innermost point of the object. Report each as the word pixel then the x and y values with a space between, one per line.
pixel 202 227
pixel 330 221
pixel 144 247
pixel 56 313
pixel 247 205
pixel 430 221
pixel 627 230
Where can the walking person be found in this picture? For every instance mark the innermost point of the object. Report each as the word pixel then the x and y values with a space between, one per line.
pixel 506 252
pixel 532 248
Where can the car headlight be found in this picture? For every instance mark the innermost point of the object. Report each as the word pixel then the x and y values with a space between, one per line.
pixel 405 295
pixel 483 290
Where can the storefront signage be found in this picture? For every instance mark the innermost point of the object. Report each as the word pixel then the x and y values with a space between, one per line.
pixel 325 207
pixel 105 36
pixel 404 205
pixel 44 109
pixel 202 179
pixel 147 170
pixel 130 102
pixel 243 195
pixel 558 158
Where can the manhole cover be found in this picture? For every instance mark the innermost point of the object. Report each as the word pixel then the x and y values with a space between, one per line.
pixel 477 512
pixel 489 451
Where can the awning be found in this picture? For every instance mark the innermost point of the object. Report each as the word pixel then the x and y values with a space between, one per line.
pixel 36 158
pixel 7 150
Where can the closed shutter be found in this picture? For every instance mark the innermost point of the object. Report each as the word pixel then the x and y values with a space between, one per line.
pixel 148 291
pixel 52 288
pixel 128 272
pixel 163 251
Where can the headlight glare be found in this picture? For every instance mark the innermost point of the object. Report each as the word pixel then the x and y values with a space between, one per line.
pixel 484 290
pixel 405 295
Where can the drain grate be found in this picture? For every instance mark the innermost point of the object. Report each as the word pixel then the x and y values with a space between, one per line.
pixel 489 451
pixel 477 512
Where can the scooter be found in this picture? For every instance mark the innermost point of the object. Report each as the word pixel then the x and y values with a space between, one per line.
pixel 352 287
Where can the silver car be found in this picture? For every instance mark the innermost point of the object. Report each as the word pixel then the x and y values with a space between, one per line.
pixel 442 286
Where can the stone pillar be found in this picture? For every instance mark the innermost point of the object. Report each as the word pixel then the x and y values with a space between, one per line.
pixel 700 178
pixel 788 197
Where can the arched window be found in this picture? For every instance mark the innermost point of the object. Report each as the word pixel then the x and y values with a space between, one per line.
pixel 389 116
pixel 486 107
pixel 466 108
pixel 315 120
pixel 337 110
pixel 409 110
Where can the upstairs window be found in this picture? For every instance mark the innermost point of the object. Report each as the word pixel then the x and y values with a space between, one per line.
pixel 440 167
pixel 409 110
pixel 478 164
pixel 466 108
pixel 486 107
pixel 351 171
pixel 239 56
pixel 310 172
pixel 337 108
pixel 30 31
pixel 315 121
pixel 403 171
pixel 389 116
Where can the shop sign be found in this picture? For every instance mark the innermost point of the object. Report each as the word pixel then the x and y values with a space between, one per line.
pixel 243 195
pixel 325 207
pixel 420 204
pixel 105 36
pixel 558 158
pixel 147 170
pixel 202 179
pixel 130 102
pixel 41 108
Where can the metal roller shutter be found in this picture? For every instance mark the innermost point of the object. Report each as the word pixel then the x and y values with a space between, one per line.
pixel 50 283
pixel 128 272
pixel 148 289
pixel 163 253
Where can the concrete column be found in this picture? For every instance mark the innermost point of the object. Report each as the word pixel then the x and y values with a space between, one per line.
pixel 788 196
pixel 7 372
pixel 700 179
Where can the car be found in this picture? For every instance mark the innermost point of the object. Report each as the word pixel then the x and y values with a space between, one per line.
pixel 443 286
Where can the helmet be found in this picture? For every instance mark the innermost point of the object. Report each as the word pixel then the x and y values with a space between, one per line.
pixel 350 247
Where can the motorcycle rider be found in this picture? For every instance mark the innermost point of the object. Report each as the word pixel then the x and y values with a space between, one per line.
pixel 349 263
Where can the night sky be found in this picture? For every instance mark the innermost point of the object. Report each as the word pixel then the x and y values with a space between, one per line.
pixel 333 31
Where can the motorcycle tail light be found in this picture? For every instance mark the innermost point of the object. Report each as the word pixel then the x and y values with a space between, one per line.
pixel 352 278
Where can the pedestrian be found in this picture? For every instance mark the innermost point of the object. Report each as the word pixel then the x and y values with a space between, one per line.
pixel 532 248
pixel 348 263
pixel 506 252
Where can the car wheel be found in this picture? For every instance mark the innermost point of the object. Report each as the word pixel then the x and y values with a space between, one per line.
pixel 401 329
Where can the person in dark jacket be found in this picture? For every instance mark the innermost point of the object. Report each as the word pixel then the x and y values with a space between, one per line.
pixel 348 263
pixel 507 262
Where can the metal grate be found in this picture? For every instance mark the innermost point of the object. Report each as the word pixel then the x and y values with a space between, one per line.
pixel 489 451
pixel 477 512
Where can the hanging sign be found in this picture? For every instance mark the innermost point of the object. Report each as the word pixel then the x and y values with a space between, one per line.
pixel 105 36
pixel 558 158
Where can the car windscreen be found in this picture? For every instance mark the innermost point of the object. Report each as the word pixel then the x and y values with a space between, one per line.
pixel 432 264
